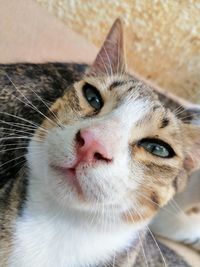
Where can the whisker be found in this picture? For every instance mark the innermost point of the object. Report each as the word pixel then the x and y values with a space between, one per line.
pixel 177 207
pixel 148 229
pixel 157 245
pixel 10 131
pixel 16 159
pixel 18 125
pixel 2 145
pixel 59 124
pixel 20 137
pixel 143 251
pixel 17 117
pixel 29 103
pixel 150 200
pixel 16 148
pixel 17 163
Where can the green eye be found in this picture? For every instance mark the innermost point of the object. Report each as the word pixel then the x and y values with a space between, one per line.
pixel 157 147
pixel 92 96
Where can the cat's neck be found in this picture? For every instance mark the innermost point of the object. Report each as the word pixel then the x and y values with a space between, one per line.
pixel 72 237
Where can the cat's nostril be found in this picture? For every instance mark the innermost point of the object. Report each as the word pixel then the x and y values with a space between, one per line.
pixel 79 139
pixel 99 156
pixel 89 148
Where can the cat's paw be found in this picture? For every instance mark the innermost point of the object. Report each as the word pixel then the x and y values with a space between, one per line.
pixel 193 214
pixel 193 242
pixel 183 227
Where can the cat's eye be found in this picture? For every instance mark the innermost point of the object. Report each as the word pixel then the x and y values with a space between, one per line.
pixel 157 147
pixel 92 96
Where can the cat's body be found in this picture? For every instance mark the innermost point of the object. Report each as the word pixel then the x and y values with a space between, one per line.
pixel 14 182
pixel 48 217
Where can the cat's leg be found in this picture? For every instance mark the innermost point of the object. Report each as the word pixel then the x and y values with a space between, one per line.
pixel 179 220
pixel 182 227
pixel 192 227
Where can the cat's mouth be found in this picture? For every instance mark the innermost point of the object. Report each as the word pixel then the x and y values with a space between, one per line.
pixel 70 173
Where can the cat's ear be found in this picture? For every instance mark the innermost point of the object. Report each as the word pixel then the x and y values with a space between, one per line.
pixel 110 59
pixel 192 157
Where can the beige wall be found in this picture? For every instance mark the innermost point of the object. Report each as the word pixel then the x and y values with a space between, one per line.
pixel 28 33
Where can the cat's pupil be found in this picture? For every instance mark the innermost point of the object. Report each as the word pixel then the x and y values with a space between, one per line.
pixel 93 96
pixel 157 149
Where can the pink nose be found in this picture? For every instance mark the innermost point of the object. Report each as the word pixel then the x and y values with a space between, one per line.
pixel 89 149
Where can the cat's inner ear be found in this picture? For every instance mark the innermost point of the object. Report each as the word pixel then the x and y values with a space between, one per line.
pixel 192 158
pixel 110 59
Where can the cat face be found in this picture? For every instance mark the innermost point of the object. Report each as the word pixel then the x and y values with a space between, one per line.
pixel 110 143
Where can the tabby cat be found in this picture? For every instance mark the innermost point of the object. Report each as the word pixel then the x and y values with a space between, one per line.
pixel 88 155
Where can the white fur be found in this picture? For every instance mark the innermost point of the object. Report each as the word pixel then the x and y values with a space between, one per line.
pixel 49 240
pixel 57 228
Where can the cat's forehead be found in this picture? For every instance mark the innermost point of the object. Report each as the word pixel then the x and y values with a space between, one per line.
pixel 129 92
pixel 127 89
pixel 123 87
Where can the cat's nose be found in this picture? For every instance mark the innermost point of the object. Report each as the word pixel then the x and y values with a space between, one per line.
pixel 90 149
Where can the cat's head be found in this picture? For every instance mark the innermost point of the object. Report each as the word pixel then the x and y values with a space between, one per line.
pixel 111 144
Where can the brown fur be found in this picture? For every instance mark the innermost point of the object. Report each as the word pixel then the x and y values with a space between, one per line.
pixel 11 197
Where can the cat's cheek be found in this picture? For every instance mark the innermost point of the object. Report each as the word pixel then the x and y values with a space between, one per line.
pixel 37 159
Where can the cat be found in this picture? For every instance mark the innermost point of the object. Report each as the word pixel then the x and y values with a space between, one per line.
pixel 88 155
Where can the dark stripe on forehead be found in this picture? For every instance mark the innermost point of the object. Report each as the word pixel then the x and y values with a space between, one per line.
pixel 164 122
pixel 132 88
pixel 116 84
pixel 156 107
